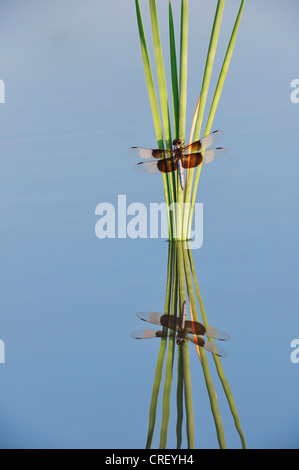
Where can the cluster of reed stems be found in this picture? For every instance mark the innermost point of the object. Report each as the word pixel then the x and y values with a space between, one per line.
pixel 174 195
pixel 181 275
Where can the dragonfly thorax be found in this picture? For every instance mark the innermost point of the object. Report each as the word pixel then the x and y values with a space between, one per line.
pixel 180 340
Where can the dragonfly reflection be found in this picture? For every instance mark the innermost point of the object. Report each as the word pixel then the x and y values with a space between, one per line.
pixel 182 327
pixel 180 157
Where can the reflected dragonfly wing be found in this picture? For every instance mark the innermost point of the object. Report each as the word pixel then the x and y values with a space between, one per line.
pixel 168 321
pixel 183 315
pixel 195 328
pixel 150 333
pixel 214 333
pixel 150 317
pixel 199 329
pixel 205 142
pixel 211 155
pixel 215 349
pixel 147 153
pixel 208 345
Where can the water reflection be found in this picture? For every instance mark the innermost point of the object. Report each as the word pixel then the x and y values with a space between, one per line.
pixel 185 330
pixel 182 286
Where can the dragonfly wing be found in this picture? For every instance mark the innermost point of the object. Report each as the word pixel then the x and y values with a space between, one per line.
pixel 208 345
pixel 144 334
pixel 210 139
pixel 168 321
pixel 212 332
pixel 146 153
pixel 167 165
pixel 195 328
pixel 148 167
pixel 198 329
pixel 150 317
pixel 196 340
pixel 184 315
pixel 211 155
pixel 192 160
pixel 204 143
pixel 215 349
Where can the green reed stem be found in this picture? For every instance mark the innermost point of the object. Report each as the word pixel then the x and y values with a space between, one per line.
pixel 217 361
pixel 204 360
pixel 163 92
pixel 183 87
pixel 160 73
pixel 209 67
pixel 161 355
pixel 224 70
pixel 215 101
pixel 154 107
pixel 203 96
pixel 174 74
pixel 183 69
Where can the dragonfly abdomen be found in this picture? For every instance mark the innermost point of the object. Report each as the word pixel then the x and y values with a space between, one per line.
pixel 181 173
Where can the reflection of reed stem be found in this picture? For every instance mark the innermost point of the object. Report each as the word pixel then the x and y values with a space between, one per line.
pixel 204 360
pixel 170 359
pixel 185 352
pixel 161 355
pixel 180 396
pixel 181 275
pixel 217 361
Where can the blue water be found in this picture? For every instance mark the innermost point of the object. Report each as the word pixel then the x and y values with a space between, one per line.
pixel 75 100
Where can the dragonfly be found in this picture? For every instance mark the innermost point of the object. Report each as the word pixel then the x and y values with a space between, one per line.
pixel 185 330
pixel 180 157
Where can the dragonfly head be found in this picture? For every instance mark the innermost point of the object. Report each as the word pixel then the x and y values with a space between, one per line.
pixel 176 142
pixel 180 341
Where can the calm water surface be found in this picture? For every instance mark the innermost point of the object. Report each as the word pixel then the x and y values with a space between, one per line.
pixel 73 376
